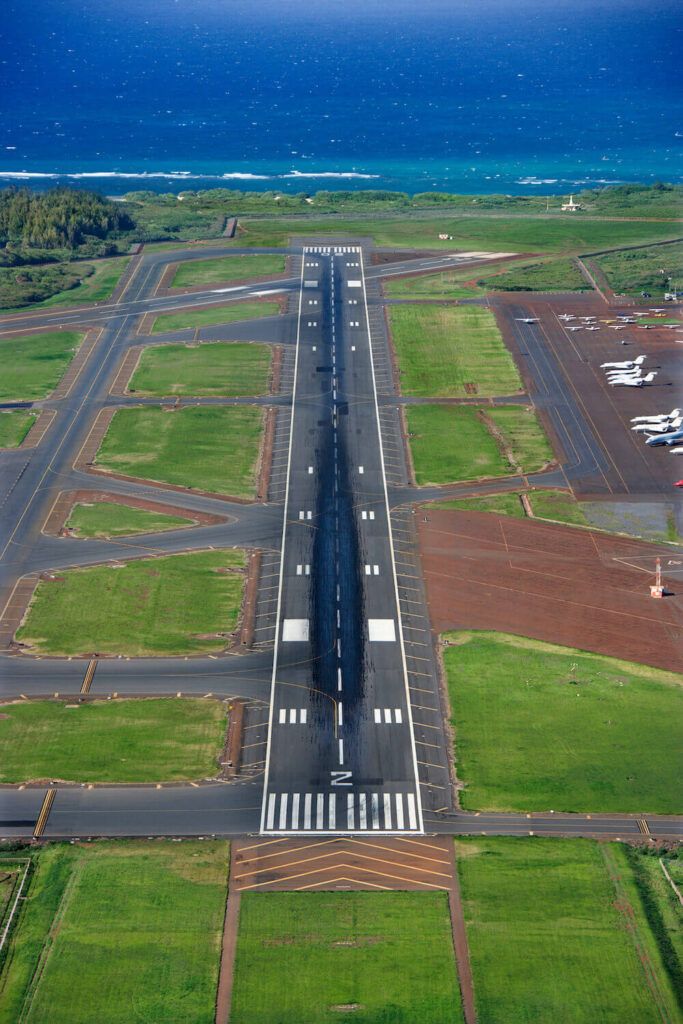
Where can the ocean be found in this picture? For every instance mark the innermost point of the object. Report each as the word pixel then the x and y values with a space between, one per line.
pixel 473 96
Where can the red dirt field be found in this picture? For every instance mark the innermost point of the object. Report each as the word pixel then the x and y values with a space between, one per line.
pixel 560 584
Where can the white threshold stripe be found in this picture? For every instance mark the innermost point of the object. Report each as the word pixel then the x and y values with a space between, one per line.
pixel 385 813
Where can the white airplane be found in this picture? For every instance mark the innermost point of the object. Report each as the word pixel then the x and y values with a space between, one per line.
pixel 658 428
pixel 664 416
pixel 588 319
pixel 645 327
pixel 626 319
pixel 676 451
pixel 633 382
pixel 668 439
pixel 618 327
pixel 574 328
pixel 592 328
pixel 527 319
pixel 658 311
pixel 566 316
pixel 629 364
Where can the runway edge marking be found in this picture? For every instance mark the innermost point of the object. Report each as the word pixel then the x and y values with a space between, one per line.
pixel 418 795
pixel 266 773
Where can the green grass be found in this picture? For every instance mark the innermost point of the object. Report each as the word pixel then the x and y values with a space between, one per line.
pixel 541 727
pixel 14 426
pixel 558 506
pixel 214 315
pixel 521 434
pixel 549 276
pixel 117 932
pixel 95 282
pixel 105 519
pixel 33 364
pixel 217 369
pixel 213 449
pixel 225 269
pixel 502 504
pixel 447 284
pixel 441 349
pixel 497 232
pixel 111 741
pixel 661 905
pixel 179 604
pixel 637 270
pixel 451 443
pixel 304 957
pixel 549 944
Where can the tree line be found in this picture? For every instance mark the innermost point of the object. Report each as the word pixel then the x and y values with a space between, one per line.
pixel 61 218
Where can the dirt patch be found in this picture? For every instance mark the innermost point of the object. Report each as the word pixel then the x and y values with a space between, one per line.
pixel 347 1007
pixel 554 583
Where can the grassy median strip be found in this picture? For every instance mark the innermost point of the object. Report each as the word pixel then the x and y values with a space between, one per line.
pixel 210 315
pixel 548 938
pixel 105 519
pixel 542 727
pixel 451 351
pixel 111 741
pixel 214 370
pixel 209 448
pixel 33 364
pixel 61 284
pixel 226 268
pixel 315 958
pixel 467 442
pixel 14 426
pixel 117 932
pixel 179 604
pixel 548 276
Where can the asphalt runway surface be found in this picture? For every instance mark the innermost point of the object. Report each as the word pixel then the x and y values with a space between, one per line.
pixel 346 661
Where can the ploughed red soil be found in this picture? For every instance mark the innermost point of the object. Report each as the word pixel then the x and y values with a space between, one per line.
pixel 554 583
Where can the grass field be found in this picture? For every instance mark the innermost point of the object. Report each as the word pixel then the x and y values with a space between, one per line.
pixel 117 932
pixel 548 276
pixel 637 270
pixel 213 449
pixel 180 604
pixel 549 943
pixel 104 519
pixel 494 232
pixel 541 727
pixel 661 904
pixel 229 314
pixel 315 958
pixel 33 364
pixel 111 741
pixel 502 504
pixel 441 349
pixel 217 369
pixel 95 286
pixel 14 426
pixel 451 443
pixel 225 269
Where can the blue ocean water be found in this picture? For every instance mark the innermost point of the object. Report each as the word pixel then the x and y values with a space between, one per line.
pixel 515 96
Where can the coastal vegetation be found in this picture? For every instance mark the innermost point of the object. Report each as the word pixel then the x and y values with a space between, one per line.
pixel 59 284
pixel 164 740
pixel 450 443
pixel 213 369
pixel 178 604
pixel 451 351
pixel 653 269
pixel 33 364
pixel 206 447
pixel 539 726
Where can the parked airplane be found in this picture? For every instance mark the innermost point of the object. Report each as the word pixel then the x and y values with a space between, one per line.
pixel 527 319
pixel 667 439
pixel 664 416
pixel 592 328
pixel 644 327
pixel 658 428
pixel 618 327
pixel 633 382
pixel 629 364
pixel 566 316
pixel 574 328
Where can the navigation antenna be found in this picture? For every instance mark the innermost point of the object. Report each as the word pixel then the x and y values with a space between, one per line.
pixel 657 590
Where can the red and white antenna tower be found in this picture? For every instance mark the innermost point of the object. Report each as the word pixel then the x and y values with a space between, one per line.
pixel 657 590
